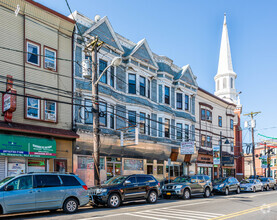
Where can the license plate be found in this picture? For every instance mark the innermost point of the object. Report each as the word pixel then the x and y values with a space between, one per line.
pixel 242 188
pixel 168 194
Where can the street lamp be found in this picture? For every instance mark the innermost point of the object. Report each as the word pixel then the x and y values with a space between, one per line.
pixel 226 142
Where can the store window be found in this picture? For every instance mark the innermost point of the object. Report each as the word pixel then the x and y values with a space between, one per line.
pixel 50 112
pixel 133 164
pixel 160 170
pixel 33 108
pixel 16 165
pixel 36 165
pixel 60 165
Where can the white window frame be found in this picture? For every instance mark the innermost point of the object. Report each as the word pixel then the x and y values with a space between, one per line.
pixel 29 116
pixel 49 110
pixel 38 47
pixel 55 59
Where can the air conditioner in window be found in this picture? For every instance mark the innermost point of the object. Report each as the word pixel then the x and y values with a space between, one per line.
pixel 49 65
pixel 86 67
pixel 50 117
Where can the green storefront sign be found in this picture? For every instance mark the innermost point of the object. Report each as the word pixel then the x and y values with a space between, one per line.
pixel 12 145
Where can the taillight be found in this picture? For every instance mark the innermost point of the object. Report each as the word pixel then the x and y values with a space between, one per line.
pixel 159 184
pixel 85 187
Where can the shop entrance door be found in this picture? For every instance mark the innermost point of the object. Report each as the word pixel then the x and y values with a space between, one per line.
pixel 113 169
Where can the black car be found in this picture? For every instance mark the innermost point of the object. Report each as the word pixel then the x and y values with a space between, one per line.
pixel 226 185
pixel 126 188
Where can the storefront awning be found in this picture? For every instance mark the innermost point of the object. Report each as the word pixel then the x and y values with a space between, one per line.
pixel 22 146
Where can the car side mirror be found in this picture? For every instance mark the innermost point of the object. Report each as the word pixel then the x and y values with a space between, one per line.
pixel 127 182
pixel 9 188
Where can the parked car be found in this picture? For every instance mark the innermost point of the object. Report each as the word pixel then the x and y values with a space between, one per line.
pixel 42 191
pixel 251 185
pixel 126 188
pixel 186 186
pixel 226 185
pixel 268 182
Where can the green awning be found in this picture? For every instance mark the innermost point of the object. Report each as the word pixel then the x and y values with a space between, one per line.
pixel 22 146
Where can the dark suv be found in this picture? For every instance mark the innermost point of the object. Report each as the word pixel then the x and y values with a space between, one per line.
pixel 126 188
pixel 268 183
pixel 186 186
pixel 226 185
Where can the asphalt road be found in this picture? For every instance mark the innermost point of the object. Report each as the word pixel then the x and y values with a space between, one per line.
pixel 259 205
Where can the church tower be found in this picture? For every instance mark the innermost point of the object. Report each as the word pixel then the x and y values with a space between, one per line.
pixel 225 77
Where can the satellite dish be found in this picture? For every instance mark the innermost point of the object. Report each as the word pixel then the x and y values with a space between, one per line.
pixel 97 18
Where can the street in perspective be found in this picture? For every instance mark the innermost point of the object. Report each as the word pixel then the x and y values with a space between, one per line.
pixel 119 109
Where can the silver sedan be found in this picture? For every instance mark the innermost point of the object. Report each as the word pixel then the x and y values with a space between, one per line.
pixel 251 185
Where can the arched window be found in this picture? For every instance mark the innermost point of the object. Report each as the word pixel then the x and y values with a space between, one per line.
pixel 232 83
pixel 224 83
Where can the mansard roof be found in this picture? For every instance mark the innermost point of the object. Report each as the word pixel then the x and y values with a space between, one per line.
pixel 105 32
pixel 186 75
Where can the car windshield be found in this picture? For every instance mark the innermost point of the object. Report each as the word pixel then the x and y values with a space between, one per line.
pixel 3 181
pixel 219 180
pixel 263 179
pixel 115 180
pixel 181 179
pixel 247 181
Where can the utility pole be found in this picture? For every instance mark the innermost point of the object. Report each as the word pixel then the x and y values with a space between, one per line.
pixel 266 159
pixel 220 152
pixel 94 46
pixel 252 114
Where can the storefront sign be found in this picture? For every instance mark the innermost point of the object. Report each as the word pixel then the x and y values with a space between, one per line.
pixel 133 164
pixel 228 161
pixel 12 145
pixel 187 147
pixel 216 155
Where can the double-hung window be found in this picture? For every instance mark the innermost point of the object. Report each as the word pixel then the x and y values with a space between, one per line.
pixel 112 117
pixel 219 121
pixel 103 114
pixel 112 76
pixel 167 128
pixel 148 125
pixel 132 83
pixel 50 111
pixel 148 89
pixel 50 59
pixel 203 114
pixel 142 119
pixel 232 124
pixel 203 140
pixel 33 108
pixel 186 132
pixel 142 83
pixel 179 101
pixel 33 53
pixel 102 66
pixel 209 141
pixel 132 120
pixel 88 112
pixel 208 115
pixel 166 95
pixel 179 131
pixel 186 102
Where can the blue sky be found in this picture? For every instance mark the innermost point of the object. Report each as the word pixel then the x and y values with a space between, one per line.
pixel 189 32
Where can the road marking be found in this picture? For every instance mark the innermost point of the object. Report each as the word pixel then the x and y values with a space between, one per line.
pixel 174 216
pixel 243 212
pixel 185 212
pixel 145 216
pixel 204 213
pixel 103 216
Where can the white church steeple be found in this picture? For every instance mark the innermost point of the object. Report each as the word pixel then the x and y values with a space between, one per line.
pixel 225 77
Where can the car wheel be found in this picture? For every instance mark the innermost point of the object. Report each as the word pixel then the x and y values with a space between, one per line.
pixel 70 205
pixel 207 192
pixel 267 188
pixel 226 191
pixel 114 200
pixel 254 189
pixel 152 197
pixel 186 194
pixel 262 188
pixel 238 190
